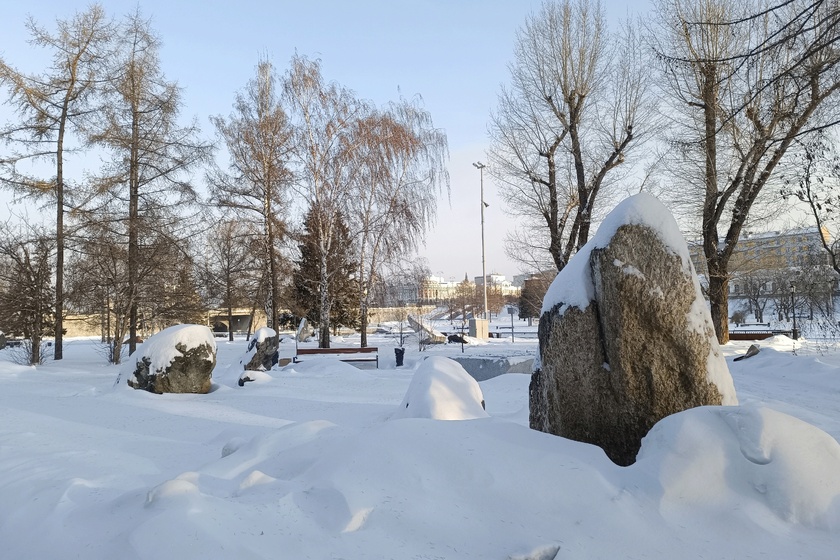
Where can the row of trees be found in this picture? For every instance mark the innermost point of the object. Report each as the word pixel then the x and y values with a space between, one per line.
pixel 739 88
pixel 812 295
pixel 315 176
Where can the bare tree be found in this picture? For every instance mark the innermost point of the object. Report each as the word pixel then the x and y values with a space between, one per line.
pixel 26 291
pixel 229 266
pixel 325 117
pixel 258 137
pixel 575 108
pixel 401 170
pixel 151 153
pixel 747 83
pixel 755 291
pixel 51 106
pixel 97 280
pixel 814 179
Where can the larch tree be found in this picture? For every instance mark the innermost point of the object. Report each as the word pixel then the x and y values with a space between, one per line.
pixel 745 81
pixel 53 108
pixel 151 152
pixel 576 107
pixel 258 138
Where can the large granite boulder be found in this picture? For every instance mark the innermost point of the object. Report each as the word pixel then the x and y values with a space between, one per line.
pixel 625 336
pixel 178 359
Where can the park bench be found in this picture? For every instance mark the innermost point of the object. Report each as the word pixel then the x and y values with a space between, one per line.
pixel 368 354
pixel 756 334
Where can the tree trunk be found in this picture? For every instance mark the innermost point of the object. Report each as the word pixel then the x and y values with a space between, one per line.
pixel 363 321
pixel 324 301
pixel 229 314
pixel 119 333
pixel 59 239
pixel 273 287
pixel 133 232
pixel 719 302
pixel 715 264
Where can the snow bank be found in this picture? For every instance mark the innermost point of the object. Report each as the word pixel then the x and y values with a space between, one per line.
pixel 742 458
pixel 442 389
pixel 303 467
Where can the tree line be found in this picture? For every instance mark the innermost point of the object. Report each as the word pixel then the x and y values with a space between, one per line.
pixel 710 104
pixel 320 197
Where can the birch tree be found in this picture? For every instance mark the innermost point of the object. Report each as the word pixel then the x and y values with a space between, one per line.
pixel 325 117
pixel 402 171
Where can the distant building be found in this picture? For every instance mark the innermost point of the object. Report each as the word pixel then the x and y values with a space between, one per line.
pixel 500 282
pixel 437 288
pixel 769 254
pixel 771 250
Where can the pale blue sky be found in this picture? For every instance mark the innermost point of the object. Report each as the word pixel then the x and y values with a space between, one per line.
pixel 451 52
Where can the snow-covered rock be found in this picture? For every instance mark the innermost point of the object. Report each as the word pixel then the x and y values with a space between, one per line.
pixel 262 350
pixel 626 338
pixel 179 359
pixel 441 389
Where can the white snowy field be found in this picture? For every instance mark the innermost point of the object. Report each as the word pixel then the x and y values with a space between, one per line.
pixel 307 462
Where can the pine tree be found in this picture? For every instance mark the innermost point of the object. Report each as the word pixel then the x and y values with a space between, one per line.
pixel 341 288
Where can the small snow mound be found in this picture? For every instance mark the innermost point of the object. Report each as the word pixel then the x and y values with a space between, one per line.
pixel 441 389
pixel 724 456
pixel 549 552
pixel 254 479
pixel 183 487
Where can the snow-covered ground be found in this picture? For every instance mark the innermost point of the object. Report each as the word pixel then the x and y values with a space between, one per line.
pixel 311 461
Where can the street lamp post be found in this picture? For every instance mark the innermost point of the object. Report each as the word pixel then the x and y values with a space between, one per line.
pixel 480 166
pixel 795 332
